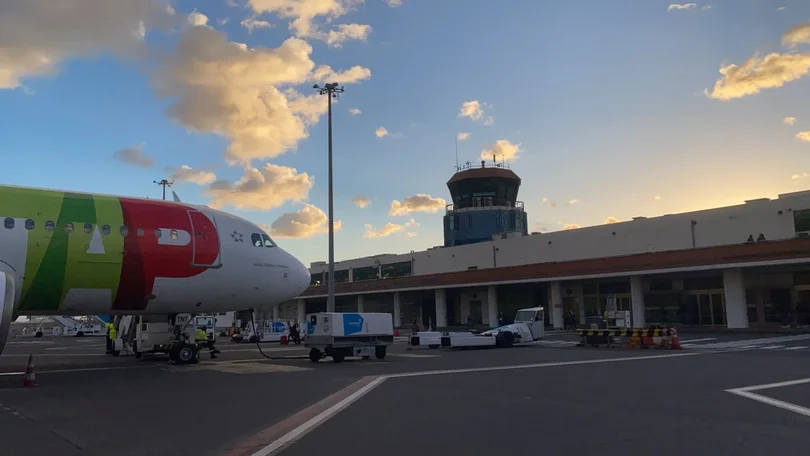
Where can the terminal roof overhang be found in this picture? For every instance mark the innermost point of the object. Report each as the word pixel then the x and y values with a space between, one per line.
pixel 793 251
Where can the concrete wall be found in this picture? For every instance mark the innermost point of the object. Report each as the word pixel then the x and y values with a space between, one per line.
pixel 715 227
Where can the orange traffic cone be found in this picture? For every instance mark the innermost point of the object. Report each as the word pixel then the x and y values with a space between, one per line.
pixel 30 377
pixel 675 342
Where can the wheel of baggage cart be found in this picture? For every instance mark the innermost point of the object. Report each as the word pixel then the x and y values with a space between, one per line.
pixel 505 339
pixel 379 352
pixel 338 357
pixel 184 354
pixel 315 355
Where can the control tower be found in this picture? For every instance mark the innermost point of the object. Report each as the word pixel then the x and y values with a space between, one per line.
pixel 484 204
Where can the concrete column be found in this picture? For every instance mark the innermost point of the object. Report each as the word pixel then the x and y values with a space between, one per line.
pixel 359 303
pixel 736 307
pixel 351 274
pixel 276 312
pixel 302 311
pixel 637 302
pixel 492 305
pixel 557 316
pixel 441 308
pixel 397 310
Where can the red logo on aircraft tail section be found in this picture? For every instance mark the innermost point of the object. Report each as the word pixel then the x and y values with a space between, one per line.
pixel 146 257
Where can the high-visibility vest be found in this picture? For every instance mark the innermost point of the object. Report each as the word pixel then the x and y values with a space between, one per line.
pixel 113 332
pixel 200 335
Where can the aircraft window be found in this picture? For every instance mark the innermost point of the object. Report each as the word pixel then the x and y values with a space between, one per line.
pixel 140 232
pixel 173 234
pixel 8 223
pixel 88 228
pixel 256 239
pixel 49 225
pixel 267 241
pixel 30 225
pixel 124 231
pixel 158 234
pixel 105 230
pixel 68 227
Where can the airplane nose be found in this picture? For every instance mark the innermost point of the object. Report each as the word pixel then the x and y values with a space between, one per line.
pixel 300 277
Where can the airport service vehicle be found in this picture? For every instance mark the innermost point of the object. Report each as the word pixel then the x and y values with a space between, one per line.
pixel 340 335
pixel 268 331
pixel 69 253
pixel 174 335
pixel 528 327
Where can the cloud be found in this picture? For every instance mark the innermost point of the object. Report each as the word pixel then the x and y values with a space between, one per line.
pixel 361 201
pixel 796 35
pixel 411 222
pixel 475 111
pixel 463 136
pixel 186 173
pixel 355 111
pixel 502 150
pixel 796 177
pixel 394 3
pixel 381 132
pixel 134 156
pixel 681 7
pixel 572 202
pixel 306 222
pixel 706 7
pixel 789 120
pixel 387 230
pixel 261 189
pixel 546 202
pixel 197 19
pixel 803 136
pixel 417 203
pixel 37 35
pixel 781 8
pixel 240 93
pixel 570 226
pixel 252 23
pixel 657 197
pixel 611 219
pixel 303 13
pixel 353 75
pixel 411 234
pixel 773 70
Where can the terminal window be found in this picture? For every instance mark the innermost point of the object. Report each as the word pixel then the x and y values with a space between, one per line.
pixel 801 221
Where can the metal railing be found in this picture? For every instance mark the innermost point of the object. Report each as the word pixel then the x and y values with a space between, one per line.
pixel 484 205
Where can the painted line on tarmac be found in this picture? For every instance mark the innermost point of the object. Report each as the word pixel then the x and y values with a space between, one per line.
pixel 746 392
pixel 302 429
pixel 705 339
pixel 286 432
pixel 79 369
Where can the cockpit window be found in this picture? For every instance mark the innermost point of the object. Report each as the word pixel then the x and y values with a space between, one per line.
pixel 256 239
pixel 267 241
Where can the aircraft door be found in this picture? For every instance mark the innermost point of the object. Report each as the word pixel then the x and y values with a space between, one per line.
pixel 205 240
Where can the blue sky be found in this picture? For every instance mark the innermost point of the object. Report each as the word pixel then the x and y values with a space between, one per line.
pixel 605 100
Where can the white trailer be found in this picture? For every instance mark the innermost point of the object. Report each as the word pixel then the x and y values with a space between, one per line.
pixel 528 327
pixel 340 335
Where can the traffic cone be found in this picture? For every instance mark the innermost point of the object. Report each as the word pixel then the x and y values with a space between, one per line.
pixel 30 377
pixel 396 333
pixel 675 343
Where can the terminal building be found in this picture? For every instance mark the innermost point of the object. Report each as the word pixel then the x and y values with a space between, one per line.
pixel 738 267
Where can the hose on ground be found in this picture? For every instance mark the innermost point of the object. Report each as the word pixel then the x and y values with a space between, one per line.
pixel 258 344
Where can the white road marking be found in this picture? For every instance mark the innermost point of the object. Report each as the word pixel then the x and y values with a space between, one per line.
pixel 299 431
pixel 413 355
pixel 771 347
pixel 800 347
pixel 746 393
pixel 83 369
pixel 697 340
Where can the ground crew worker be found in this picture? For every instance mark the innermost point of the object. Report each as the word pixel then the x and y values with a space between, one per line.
pixel 201 337
pixel 112 334
pixel 107 327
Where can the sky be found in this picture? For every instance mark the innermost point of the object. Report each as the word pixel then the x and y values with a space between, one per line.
pixel 606 110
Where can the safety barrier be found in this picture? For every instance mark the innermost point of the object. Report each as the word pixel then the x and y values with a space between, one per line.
pixel 634 338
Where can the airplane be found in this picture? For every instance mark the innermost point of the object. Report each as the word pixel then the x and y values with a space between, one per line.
pixel 70 253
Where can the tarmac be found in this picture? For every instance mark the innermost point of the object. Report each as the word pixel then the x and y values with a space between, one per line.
pixel 722 394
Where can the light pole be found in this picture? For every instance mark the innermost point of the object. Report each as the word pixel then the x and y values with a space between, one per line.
pixel 332 90
pixel 164 183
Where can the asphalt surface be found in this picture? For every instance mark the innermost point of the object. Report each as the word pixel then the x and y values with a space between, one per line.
pixel 559 400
